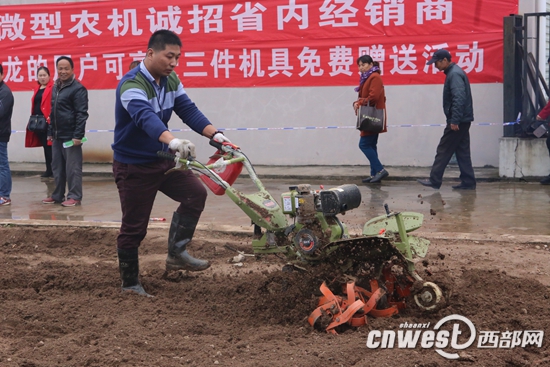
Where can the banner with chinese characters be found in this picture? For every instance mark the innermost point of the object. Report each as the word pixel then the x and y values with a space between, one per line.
pixel 276 43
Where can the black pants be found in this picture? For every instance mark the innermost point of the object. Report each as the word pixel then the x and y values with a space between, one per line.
pixel 138 185
pixel 457 142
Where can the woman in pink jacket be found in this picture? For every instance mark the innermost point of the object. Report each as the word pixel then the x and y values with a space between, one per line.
pixel 41 103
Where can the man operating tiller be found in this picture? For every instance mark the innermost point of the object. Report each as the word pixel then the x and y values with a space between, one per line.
pixel 145 99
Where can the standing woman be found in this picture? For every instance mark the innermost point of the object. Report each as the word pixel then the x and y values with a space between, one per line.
pixel 371 91
pixel 41 103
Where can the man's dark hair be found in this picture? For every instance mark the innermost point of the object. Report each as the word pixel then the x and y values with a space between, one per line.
pixel 65 58
pixel 1 69
pixel 161 38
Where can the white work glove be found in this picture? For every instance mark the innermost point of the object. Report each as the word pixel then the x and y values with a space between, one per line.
pixel 220 138
pixel 184 147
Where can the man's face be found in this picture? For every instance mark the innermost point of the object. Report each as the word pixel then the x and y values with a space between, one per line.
pixel 1 77
pixel 442 64
pixel 162 63
pixel 64 70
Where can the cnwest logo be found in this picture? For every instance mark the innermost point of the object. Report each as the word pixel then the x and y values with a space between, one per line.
pixel 411 335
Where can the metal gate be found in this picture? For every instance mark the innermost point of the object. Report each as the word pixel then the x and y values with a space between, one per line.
pixel 525 77
pixel 526 59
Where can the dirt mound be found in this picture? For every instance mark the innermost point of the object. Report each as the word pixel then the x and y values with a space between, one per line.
pixel 60 305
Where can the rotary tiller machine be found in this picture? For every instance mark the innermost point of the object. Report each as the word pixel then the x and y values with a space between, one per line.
pixel 305 228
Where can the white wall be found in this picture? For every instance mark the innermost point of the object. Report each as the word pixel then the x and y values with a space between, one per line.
pixel 300 107
pixel 520 158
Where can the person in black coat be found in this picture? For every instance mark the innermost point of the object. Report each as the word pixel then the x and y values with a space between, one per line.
pixel 459 111
pixel 68 118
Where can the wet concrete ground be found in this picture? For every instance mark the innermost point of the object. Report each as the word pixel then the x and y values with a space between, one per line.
pixel 495 208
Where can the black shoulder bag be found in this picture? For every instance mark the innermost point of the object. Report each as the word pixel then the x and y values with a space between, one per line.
pixel 37 124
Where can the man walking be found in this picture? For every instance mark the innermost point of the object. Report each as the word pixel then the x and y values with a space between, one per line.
pixel 6 109
pixel 459 111
pixel 145 99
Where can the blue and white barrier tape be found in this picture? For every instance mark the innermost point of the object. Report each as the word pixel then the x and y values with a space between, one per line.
pixel 303 127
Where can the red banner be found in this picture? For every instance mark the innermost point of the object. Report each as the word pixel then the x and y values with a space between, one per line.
pixel 277 43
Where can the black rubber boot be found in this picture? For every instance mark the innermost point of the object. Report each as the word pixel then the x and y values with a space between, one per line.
pixel 181 233
pixel 128 263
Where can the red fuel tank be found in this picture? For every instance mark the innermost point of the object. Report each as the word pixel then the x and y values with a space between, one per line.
pixel 228 173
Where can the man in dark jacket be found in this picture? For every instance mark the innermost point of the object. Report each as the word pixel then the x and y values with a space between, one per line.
pixel 6 109
pixel 67 126
pixel 459 111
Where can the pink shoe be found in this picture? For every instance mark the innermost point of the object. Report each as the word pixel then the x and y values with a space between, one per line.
pixel 70 202
pixel 5 201
pixel 50 201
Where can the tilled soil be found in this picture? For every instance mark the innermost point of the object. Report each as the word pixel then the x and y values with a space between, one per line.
pixel 61 305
